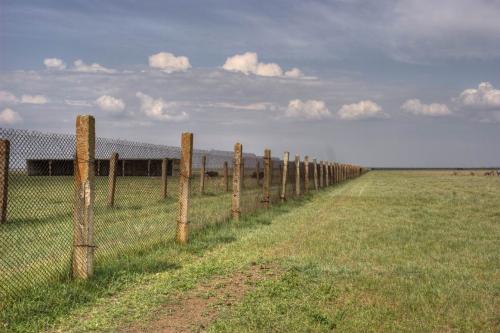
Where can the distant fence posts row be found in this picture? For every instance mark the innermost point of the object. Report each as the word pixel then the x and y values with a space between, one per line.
pixel 323 174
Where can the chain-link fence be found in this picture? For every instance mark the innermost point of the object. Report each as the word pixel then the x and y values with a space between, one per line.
pixel 136 199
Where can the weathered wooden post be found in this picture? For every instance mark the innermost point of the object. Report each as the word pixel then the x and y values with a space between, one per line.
pixel 4 178
pixel 321 176
pixel 315 174
pixel 306 174
pixel 297 175
pixel 202 174
pixel 226 176
pixel 237 174
pixel 123 168
pixel 332 181
pixel 182 234
pixel 334 174
pixel 327 173
pixel 257 172
pixel 113 165
pixel 83 217
pixel 284 176
pixel 266 186
pixel 164 178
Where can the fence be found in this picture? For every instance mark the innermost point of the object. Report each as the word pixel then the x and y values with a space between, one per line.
pixel 69 203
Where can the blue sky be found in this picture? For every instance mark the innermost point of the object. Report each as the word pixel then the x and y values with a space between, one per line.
pixel 379 83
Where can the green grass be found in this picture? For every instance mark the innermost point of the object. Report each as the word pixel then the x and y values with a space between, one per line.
pixel 390 251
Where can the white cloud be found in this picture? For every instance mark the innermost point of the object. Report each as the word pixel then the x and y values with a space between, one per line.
pixel 417 108
pixel 54 63
pixel 80 66
pixel 310 109
pixel 270 69
pixel 34 99
pixel 77 102
pixel 252 107
pixel 248 63
pixel 294 72
pixel 158 109
pixel 9 117
pixel 169 63
pixel 484 97
pixel 362 110
pixel 8 97
pixel 110 103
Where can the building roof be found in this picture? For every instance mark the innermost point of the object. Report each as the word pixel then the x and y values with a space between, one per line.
pixel 34 145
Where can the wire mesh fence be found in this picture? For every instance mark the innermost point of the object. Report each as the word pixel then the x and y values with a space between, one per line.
pixel 136 199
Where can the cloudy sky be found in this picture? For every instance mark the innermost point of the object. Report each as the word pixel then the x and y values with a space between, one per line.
pixel 378 83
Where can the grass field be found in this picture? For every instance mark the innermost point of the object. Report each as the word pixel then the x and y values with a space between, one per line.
pixel 390 251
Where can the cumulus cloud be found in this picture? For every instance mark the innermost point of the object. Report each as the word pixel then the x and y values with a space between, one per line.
pixel 362 110
pixel 251 107
pixel 248 63
pixel 77 102
pixel 310 109
pixel 9 117
pixel 158 109
pixel 54 63
pixel 169 63
pixel 34 99
pixel 8 97
pixel 80 66
pixel 485 96
pixel 416 107
pixel 294 72
pixel 110 103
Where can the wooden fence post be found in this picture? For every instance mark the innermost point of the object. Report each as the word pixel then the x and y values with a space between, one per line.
pixel 257 172
pixel 297 175
pixel 306 174
pixel 83 217
pixel 226 176
pixel 113 165
pixel 334 174
pixel 237 175
pixel 284 176
pixel 202 174
pixel 327 174
pixel 186 164
pixel 4 178
pixel 315 174
pixel 164 178
pixel 266 186
pixel 321 175
pixel 331 174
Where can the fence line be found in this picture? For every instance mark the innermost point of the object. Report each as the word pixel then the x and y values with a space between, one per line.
pixel 71 203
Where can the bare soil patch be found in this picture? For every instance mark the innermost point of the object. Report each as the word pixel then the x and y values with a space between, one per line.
pixel 194 310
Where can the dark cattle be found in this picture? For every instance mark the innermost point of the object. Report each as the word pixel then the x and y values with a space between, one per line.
pixel 261 174
pixel 212 174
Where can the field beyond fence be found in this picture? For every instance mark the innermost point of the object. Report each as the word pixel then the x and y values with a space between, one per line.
pixel 70 203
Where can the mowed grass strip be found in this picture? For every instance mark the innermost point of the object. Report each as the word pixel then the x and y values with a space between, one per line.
pixel 390 251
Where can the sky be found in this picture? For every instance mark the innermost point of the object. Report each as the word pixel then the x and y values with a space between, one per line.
pixel 409 83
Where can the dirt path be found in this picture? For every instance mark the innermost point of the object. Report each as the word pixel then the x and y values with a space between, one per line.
pixel 194 310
